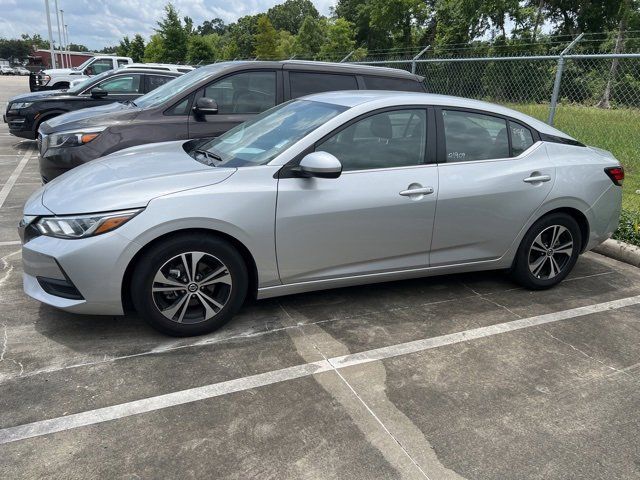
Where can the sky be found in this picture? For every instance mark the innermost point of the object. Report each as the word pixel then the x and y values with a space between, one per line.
pixel 101 23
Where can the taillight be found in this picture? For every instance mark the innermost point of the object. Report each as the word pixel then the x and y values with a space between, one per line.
pixel 616 174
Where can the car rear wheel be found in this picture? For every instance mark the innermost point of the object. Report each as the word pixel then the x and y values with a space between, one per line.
pixel 548 252
pixel 189 285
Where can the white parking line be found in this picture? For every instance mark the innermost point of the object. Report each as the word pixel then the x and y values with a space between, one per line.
pixel 6 189
pixel 145 405
pixel 10 242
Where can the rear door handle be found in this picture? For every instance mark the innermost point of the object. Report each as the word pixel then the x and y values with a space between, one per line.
pixel 417 191
pixel 537 179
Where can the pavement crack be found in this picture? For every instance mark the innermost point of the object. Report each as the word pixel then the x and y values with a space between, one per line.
pixel 493 302
pixel 585 354
pixel 5 341
pixel 373 414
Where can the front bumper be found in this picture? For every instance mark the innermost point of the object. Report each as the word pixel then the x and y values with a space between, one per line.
pixel 93 266
pixel 56 161
pixel 19 125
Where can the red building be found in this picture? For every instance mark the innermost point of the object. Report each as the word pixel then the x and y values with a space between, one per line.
pixel 42 58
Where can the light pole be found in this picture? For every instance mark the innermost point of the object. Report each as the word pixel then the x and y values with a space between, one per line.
pixel 59 35
pixel 53 57
pixel 66 33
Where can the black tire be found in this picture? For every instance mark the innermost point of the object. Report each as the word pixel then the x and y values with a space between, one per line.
pixel 148 304
pixel 60 86
pixel 530 259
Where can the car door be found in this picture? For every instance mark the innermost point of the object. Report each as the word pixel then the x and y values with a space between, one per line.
pixel 376 217
pixel 239 96
pixel 493 177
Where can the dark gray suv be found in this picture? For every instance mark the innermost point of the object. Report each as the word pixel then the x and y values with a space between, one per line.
pixel 201 104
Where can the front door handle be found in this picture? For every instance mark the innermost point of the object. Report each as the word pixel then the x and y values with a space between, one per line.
pixel 417 191
pixel 537 179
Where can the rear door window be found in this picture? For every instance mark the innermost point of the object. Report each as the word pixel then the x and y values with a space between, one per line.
pixel 474 136
pixel 306 83
pixel 521 138
pixel 390 83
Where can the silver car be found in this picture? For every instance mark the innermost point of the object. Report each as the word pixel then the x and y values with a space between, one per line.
pixel 330 190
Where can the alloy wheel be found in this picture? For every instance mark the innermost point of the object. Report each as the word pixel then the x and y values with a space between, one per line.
pixel 550 252
pixel 191 287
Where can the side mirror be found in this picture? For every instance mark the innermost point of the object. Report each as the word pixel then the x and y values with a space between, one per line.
pixel 98 92
pixel 320 165
pixel 205 106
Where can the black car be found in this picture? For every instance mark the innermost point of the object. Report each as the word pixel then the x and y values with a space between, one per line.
pixel 26 112
pixel 203 103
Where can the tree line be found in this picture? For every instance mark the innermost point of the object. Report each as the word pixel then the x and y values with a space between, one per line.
pixel 295 28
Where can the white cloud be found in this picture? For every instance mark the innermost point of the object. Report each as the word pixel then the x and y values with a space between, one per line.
pixel 99 23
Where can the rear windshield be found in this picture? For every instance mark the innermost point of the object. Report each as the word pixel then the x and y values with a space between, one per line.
pixel 262 138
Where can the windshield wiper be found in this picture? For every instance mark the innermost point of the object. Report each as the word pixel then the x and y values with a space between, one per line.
pixel 130 102
pixel 208 154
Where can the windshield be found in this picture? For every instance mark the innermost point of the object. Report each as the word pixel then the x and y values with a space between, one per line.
pixel 174 87
pixel 261 139
pixel 87 81
pixel 81 67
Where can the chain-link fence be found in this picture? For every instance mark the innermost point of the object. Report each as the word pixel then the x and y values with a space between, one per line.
pixel 595 80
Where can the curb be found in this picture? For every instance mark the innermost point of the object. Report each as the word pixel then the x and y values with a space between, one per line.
pixel 621 251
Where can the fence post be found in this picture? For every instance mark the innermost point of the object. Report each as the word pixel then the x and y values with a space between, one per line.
pixel 558 80
pixel 413 60
pixel 347 57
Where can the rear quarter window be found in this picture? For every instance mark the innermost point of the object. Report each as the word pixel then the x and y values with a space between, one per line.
pixel 390 83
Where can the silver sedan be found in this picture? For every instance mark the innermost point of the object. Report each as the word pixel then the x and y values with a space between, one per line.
pixel 331 190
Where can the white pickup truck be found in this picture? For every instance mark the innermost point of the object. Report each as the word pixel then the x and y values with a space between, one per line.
pixel 59 78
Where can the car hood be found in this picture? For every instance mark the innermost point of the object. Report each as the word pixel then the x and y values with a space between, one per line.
pixel 58 71
pixel 110 114
pixel 130 178
pixel 40 95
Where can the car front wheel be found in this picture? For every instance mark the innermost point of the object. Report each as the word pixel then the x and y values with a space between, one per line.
pixel 189 285
pixel 548 252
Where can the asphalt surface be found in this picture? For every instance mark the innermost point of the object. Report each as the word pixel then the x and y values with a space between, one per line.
pixel 464 376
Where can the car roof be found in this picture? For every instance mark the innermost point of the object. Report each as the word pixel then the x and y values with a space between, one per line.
pixel 121 71
pixel 327 67
pixel 383 98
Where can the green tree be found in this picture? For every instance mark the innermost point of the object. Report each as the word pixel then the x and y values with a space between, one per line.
pixel 173 35
pixel 203 48
pixel 136 48
pixel 395 19
pixel 340 40
pixel 266 39
pixel 124 47
pixel 208 27
pixel 242 34
pixel 286 45
pixel 310 37
pixel 290 14
pixel 154 51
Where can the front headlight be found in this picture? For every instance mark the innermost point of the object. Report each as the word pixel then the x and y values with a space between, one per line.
pixel 45 79
pixel 74 138
pixel 82 226
pixel 19 105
